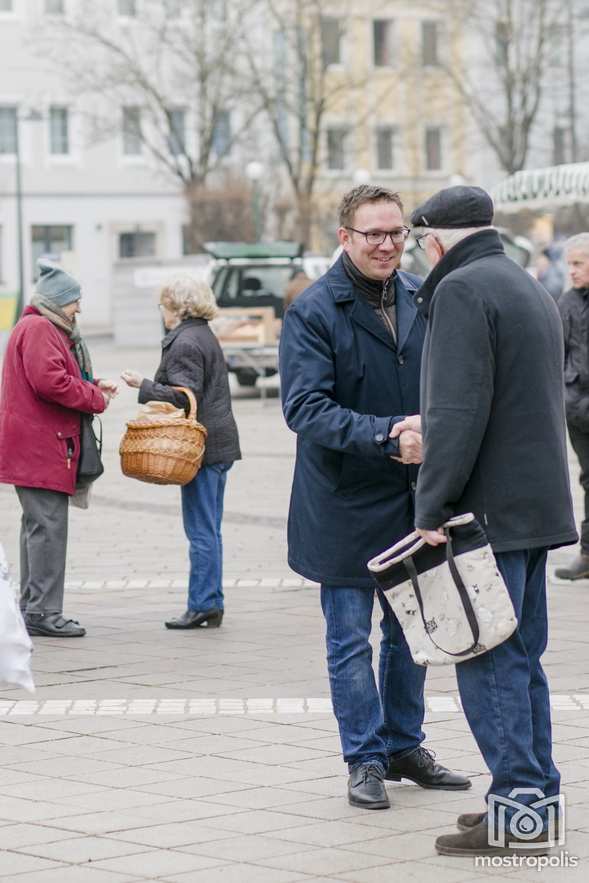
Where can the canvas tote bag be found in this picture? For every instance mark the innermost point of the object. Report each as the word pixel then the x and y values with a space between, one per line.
pixel 450 600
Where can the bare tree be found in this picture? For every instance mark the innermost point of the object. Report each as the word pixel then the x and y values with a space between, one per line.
pixel 298 87
pixel 503 77
pixel 172 79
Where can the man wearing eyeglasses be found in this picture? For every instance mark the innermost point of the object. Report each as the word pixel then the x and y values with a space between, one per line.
pixel 350 354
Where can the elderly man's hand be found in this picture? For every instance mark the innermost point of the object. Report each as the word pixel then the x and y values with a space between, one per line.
pixel 432 537
pixel 132 378
pixel 410 448
pixel 413 423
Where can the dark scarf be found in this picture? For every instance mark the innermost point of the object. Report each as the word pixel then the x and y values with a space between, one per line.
pixel 380 295
pixel 57 317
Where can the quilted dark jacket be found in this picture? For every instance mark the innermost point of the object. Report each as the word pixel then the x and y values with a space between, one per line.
pixel 192 357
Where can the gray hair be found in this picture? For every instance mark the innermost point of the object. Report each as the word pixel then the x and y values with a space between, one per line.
pixel 189 298
pixel 450 238
pixel 580 242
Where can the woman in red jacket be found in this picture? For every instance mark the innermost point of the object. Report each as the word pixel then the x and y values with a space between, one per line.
pixel 46 383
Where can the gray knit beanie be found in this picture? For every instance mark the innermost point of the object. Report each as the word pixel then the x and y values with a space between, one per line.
pixel 56 285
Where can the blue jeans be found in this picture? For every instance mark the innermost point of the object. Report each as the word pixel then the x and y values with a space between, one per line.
pixel 371 725
pixel 202 513
pixel 505 692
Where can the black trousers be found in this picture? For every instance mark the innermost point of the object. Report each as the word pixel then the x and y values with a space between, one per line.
pixel 580 443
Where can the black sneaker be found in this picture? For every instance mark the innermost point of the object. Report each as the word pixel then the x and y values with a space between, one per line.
pixel 420 766
pixel 366 787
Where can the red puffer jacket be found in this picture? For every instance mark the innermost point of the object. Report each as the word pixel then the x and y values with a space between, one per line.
pixel 40 403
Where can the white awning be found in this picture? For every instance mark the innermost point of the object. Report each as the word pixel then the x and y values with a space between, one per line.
pixel 543 188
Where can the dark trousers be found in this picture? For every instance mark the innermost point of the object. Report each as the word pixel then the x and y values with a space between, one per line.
pixel 43 544
pixel 505 693
pixel 580 443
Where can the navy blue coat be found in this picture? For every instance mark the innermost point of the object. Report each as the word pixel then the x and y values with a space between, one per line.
pixel 344 383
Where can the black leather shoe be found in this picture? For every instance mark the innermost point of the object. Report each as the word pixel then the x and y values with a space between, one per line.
pixel 366 787
pixel 475 841
pixel 195 619
pixel 420 767
pixel 55 626
pixel 577 569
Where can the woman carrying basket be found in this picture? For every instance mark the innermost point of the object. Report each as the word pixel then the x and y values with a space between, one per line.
pixel 192 357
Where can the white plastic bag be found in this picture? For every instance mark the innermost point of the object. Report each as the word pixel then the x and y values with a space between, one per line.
pixel 15 644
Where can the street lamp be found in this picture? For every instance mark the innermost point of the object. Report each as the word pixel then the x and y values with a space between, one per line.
pixel 29 116
pixel 254 171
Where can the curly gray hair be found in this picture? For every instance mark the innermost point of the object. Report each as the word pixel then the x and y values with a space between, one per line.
pixel 189 298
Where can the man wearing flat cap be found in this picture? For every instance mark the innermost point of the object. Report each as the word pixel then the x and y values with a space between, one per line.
pixel 492 416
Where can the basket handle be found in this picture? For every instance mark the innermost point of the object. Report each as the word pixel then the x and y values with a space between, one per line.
pixel 191 400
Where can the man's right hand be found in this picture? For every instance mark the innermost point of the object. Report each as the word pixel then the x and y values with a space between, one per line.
pixel 413 423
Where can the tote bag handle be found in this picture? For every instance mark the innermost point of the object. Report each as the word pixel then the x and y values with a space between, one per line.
pixel 462 594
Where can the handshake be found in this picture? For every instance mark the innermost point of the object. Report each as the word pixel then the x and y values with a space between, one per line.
pixel 408 431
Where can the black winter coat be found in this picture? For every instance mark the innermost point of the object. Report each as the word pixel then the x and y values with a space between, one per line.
pixel 574 311
pixel 492 400
pixel 192 357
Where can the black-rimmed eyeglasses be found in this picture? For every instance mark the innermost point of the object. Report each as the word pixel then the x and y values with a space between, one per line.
pixel 377 237
pixel 420 239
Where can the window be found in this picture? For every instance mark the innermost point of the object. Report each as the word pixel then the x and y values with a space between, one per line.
pixel 6 6
pixel 559 145
pixel 127 8
pixel 54 7
pixel 429 43
pixel 132 144
pixel 385 148
pixel 177 133
pixel 222 133
pixel 433 149
pixel 336 148
pixel 502 41
pixel 331 39
pixel 137 245
pixel 382 39
pixel 59 139
pixel 7 130
pixel 50 241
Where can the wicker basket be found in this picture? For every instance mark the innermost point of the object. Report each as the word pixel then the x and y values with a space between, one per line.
pixel 169 450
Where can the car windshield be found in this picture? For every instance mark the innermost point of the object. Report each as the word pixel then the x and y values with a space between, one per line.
pixel 253 285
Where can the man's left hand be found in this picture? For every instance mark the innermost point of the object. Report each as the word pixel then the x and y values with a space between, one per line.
pixel 432 537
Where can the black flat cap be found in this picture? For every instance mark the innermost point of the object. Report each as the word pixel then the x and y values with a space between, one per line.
pixel 453 207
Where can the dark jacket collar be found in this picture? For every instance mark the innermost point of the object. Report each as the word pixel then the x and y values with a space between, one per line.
pixel 342 287
pixel 473 248
pixel 406 284
pixel 173 334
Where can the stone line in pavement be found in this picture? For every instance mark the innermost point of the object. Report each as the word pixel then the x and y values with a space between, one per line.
pixel 232 705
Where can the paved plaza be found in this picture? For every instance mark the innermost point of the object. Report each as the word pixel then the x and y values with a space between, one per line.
pixel 213 755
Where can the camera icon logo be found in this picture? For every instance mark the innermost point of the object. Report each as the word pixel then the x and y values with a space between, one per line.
pixel 529 821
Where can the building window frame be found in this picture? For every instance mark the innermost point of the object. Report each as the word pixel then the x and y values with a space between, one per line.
pixel 131 133
pixel 393 132
pixel 8 135
pixel 10 12
pixel 332 53
pixel 129 247
pixel 49 237
pixel 430 43
pixel 434 154
pixel 55 13
pixel 333 149
pixel 388 43
pixel 177 134
pixel 127 9
pixel 59 132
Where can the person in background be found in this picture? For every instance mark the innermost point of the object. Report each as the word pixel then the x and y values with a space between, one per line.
pixel 550 271
pixel 47 382
pixel 192 357
pixel 574 311
pixel 297 284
